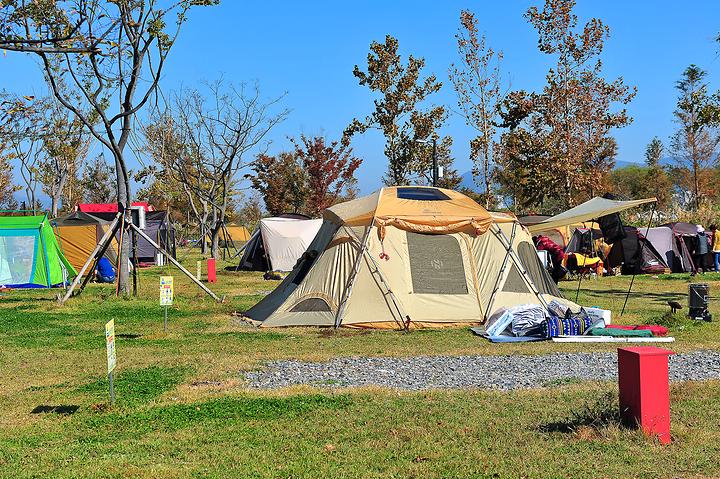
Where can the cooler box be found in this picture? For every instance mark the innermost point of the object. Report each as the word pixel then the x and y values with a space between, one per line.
pixel 597 314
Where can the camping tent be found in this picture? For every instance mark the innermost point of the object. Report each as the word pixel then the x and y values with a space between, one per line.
pixel 78 233
pixel 277 243
pixel 408 257
pixel 108 210
pixel 239 235
pixel 672 248
pixel 30 256
pixel 158 227
pixel 634 254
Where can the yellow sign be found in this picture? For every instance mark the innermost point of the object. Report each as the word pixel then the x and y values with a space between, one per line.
pixel 166 290
pixel 110 344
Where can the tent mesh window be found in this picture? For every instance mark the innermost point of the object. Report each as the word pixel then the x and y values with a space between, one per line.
pixel 514 283
pixel 423 194
pixel 17 258
pixel 436 264
pixel 311 305
pixel 539 276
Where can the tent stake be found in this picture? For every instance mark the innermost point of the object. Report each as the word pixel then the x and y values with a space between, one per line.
pixel 647 230
pixel 176 263
pixel 99 250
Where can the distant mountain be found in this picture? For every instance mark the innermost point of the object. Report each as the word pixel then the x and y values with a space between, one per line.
pixel 665 161
pixel 468 182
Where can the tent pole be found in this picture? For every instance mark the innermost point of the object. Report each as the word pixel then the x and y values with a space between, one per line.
pixel 496 288
pixel 99 250
pixel 351 280
pixel 405 325
pixel 176 263
pixel 135 263
pixel 647 230
pixel 518 264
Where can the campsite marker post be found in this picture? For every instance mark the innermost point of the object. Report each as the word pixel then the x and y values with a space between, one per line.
pixel 166 296
pixel 199 270
pixel 111 358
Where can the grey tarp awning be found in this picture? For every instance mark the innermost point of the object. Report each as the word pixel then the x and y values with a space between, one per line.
pixel 590 210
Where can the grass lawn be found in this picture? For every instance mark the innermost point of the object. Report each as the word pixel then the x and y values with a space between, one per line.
pixel 183 411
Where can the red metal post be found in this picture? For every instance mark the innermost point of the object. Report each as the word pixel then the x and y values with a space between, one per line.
pixel 211 274
pixel 645 389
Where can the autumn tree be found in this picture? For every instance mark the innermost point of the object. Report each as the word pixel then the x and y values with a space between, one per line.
pixel 477 83
pixel 97 182
pixel 23 144
pixel 66 143
pixel 281 182
pixel 695 142
pixel 398 114
pixel 328 170
pixel 8 108
pixel 657 178
pixel 249 213
pixel 558 145
pixel 110 53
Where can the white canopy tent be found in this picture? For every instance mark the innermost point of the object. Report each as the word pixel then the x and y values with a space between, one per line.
pixel 590 210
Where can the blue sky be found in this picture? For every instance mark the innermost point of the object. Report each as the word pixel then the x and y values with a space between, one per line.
pixel 308 50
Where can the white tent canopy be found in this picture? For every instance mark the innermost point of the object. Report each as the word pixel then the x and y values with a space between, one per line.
pixel 286 239
pixel 590 210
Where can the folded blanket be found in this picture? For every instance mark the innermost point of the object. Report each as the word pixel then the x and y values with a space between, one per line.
pixel 656 329
pixel 621 333
pixel 572 326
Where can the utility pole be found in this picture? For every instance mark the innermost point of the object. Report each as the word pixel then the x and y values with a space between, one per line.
pixel 435 169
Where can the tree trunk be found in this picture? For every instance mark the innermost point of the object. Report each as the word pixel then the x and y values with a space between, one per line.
pixel 54 206
pixel 215 240
pixel 215 234
pixel 123 197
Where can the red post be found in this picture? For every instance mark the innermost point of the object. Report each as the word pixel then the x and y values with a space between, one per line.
pixel 211 274
pixel 645 389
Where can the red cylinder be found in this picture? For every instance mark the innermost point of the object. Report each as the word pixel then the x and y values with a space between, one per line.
pixel 211 274
pixel 645 389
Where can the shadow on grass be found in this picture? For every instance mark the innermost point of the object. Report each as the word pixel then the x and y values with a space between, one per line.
pixel 63 410
pixel 602 413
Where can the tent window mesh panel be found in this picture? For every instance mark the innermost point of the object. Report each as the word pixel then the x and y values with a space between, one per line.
pixel 539 276
pixel 311 305
pixel 436 264
pixel 514 283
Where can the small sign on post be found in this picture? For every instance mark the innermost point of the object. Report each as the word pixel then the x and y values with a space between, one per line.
pixel 111 358
pixel 166 295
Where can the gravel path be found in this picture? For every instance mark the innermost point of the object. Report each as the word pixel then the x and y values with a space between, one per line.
pixel 464 372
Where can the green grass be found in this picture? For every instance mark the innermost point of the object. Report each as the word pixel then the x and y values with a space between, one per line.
pixel 183 410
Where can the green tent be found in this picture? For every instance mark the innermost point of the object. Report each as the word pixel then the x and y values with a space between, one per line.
pixel 29 254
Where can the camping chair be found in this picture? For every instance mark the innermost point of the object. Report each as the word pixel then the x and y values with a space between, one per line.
pixel 581 266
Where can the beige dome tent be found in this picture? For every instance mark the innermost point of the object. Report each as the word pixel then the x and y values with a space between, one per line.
pixel 408 257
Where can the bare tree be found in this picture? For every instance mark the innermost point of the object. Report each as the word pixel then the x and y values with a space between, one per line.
pixel 477 83
pixel 205 140
pixel 111 53
pixel 231 122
